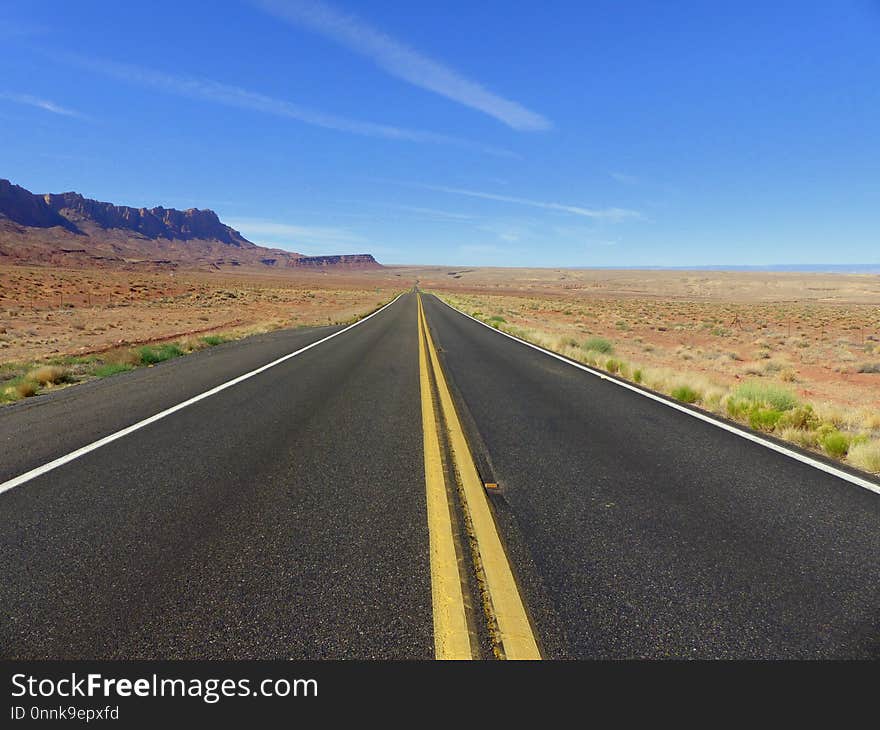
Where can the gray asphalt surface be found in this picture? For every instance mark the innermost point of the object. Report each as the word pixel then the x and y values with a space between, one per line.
pixel 40 429
pixel 283 517
pixel 648 533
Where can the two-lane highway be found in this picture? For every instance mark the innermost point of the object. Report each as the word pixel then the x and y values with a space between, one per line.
pixel 652 533
pixel 283 517
pixel 288 514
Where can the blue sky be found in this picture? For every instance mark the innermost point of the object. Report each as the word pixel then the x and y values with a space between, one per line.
pixel 491 133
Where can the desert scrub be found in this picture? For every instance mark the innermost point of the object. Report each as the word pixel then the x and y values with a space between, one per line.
pixel 517 332
pixel 16 388
pixel 762 395
pixel 835 443
pixel 764 419
pixel 25 388
pixel 765 405
pixel 27 385
pixel 598 344
pixel 213 340
pixel 612 365
pixel 788 375
pixel 802 418
pixel 49 375
pixel 761 405
pixel 685 394
pixel 865 455
pixel 122 356
pixel 799 437
pixel 111 368
pixel 152 354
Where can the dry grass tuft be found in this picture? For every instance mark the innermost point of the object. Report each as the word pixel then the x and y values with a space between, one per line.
pixel 192 344
pixel 49 375
pixel 122 356
pixel 865 455
pixel 25 388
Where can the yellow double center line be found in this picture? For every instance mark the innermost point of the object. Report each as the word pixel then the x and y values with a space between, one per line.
pixel 512 630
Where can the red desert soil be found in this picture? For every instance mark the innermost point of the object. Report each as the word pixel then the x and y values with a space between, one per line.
pixel 50 312
pixel 811 333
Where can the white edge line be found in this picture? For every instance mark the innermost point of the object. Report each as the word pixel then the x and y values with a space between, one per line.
pixel 815 463
pixel 61 460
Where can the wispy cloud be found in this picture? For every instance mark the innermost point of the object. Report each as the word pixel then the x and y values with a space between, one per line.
pixel 40 103
pixel 235 96
pixel 434 213
pixel 413 211
pixel 608 214
pixel 403 62
pixel 268 231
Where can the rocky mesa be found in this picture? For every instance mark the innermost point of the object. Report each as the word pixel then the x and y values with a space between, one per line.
pixel 68 229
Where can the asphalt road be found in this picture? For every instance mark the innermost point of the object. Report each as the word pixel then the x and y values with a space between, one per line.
pixel 281 518
pixel 652 534
pixel 285 517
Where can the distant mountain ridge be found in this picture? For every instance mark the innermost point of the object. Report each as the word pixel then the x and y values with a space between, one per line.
pixel 150 222
pixel 70 229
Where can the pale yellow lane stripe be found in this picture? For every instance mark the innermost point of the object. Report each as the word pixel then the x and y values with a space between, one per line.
pixel 516 635
pixel 451 635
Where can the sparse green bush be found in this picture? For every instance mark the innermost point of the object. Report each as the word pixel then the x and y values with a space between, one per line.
pixel 111 368
pixel 835 443
pixel 212 340
pixel 150 355
pixel 637 376
pixel 762 394
pixel 497 318
pixel 598 344
pixel 764 419
pixel 612 365
pixel 801 417
pixel 685 394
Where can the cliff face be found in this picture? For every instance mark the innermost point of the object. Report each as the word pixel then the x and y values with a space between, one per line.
pixel 169 223
pixel 70 229
pixel 346 261
pixel 73 212
pixel 23 207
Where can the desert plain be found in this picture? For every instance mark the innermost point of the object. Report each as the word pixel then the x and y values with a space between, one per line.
pixel 796 355
pixel 50 312
pixel 62 326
